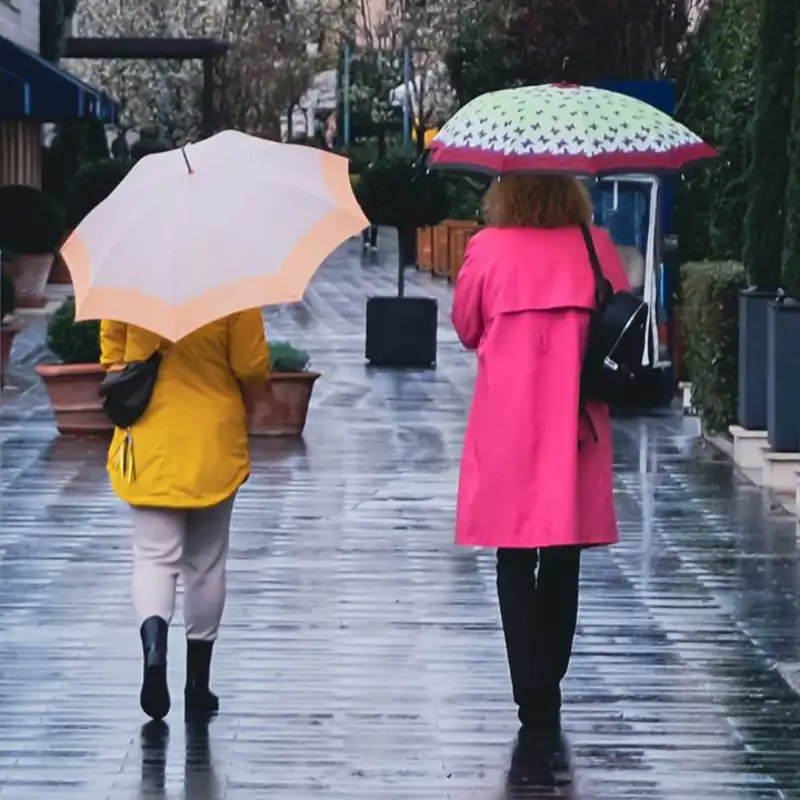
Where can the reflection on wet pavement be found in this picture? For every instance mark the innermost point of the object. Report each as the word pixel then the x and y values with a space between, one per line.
pixel 361 655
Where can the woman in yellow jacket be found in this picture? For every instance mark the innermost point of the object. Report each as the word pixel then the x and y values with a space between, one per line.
pixel 179 468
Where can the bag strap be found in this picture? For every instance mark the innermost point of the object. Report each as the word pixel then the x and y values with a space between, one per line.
pixel 600 281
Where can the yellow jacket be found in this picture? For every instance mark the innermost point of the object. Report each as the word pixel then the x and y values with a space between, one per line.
pixel 189 449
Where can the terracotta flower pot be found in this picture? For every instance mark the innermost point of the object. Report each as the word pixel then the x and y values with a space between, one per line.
pixel 460 234
pixel 30 274
pixel 7 334
pixel 72 389
pixel 425 249
pixel 293 391
pixel 60 274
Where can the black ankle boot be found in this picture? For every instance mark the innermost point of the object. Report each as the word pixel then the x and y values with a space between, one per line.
pixel 154 697
pixel 198 698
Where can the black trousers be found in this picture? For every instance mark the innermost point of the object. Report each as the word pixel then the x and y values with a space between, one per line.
pixel 369 236
pixel 539 611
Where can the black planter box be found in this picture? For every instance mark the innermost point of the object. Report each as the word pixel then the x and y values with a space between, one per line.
pixel 753 306
pixel 783 376
pixel 401 331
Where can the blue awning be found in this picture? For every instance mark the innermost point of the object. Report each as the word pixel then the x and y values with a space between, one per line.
pixel 34 88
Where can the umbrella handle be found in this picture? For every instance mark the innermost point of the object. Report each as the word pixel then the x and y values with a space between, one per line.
pixel 186 159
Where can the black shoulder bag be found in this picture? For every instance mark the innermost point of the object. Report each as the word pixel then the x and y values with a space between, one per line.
pixel 612 367
pixel 127 393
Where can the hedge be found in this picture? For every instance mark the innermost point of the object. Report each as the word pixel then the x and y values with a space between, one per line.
pixel 718 102
pixel 711 328
pixel 769 169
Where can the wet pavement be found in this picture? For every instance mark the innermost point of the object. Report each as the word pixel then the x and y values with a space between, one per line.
pixel 361 654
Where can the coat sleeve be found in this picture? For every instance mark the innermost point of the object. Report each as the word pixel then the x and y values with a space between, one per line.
pixel 248 351
pixel 467 314
pixel 113 338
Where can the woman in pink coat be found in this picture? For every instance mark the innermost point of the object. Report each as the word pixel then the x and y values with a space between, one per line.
pixel 535 477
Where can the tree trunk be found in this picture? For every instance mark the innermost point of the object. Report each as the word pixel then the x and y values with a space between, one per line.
pixel 290 122
pixel 775 83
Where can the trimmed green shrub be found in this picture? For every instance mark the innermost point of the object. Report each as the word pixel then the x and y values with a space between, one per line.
pixel 285 357
pixel 769 169
pixel 464 196
pixel 397 193
pixel 30 220
pixel 73 342
pixel 94 183
pixel 717 101
pixel 711 325
pixel 790 270
pixel 148 145
pixel 8 295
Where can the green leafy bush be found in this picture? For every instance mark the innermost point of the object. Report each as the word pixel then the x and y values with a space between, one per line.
pixel 8 296
pixel 717 101
pixel 395 192
pixel 30 220
pixel 73 342
pixel 285 357
pixel 464 196
pixel 94 183
pixel 711 324
pixel 148 145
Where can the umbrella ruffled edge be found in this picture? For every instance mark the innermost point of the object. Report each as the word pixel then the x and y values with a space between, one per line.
pixel 476 159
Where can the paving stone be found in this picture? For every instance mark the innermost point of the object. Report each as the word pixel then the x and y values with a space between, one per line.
pixel 361 654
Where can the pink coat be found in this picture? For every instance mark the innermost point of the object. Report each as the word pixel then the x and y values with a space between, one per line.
pixel 532 473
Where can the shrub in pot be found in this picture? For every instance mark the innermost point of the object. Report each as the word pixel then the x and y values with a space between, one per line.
pixel 31 227
pixel 92 184
pixel 395 192
pixel 8 331
pixel 148 145
pixel 291 386
pixel 73 383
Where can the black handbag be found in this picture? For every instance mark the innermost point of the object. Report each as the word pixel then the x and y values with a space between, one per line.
pixel 127 393
pixel 618 335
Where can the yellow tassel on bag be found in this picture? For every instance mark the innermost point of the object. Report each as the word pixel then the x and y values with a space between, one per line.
pixel 127 465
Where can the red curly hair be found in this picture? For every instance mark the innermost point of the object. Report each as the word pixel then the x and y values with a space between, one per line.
pixel 537 201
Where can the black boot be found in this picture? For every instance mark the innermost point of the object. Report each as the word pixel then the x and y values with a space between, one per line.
pixel 539 610
pixel 538 761
pixel 198 698
pixel 154 697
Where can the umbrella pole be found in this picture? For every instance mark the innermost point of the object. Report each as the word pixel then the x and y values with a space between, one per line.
pixel 401 273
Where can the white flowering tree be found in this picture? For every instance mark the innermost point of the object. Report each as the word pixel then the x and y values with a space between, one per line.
pixel 268 67
pixel 166 94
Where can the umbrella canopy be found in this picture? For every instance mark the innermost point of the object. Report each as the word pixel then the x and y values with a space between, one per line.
pixel 567 128
pixel 195 234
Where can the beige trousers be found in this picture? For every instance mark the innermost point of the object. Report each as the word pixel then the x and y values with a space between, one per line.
pixel 193 543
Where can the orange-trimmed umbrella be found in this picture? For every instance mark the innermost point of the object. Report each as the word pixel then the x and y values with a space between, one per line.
pixel 195 234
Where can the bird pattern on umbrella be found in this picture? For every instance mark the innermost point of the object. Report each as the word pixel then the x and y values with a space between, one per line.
pixel 559 120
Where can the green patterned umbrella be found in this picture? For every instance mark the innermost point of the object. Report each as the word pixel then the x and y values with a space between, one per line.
pixel 564 128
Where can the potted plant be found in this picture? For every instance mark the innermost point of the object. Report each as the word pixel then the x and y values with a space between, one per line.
pixel 92 184
pixel 7 330
pixel 291 385
pixel 31 227
pixel 397 193
pixel 72 384
pixel 151 141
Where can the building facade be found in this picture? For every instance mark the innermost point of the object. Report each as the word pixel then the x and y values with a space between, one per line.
pixel 19 22
pixel 20 157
